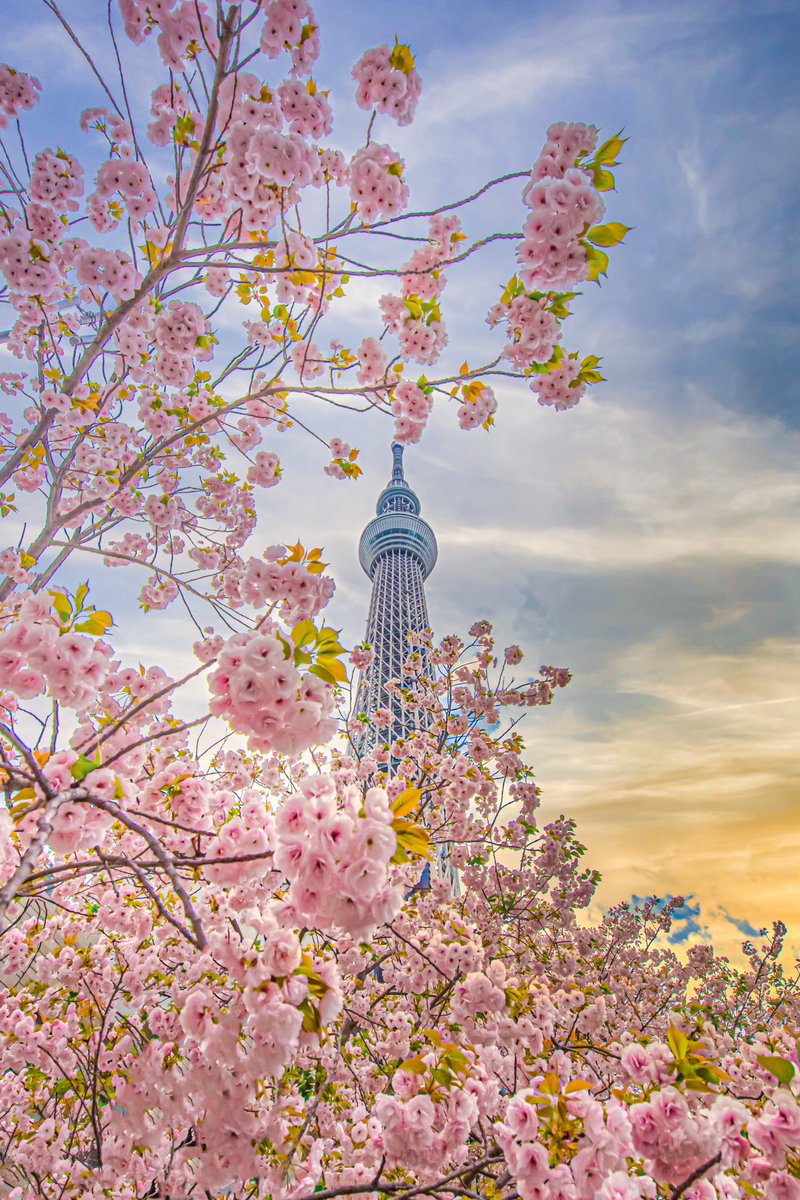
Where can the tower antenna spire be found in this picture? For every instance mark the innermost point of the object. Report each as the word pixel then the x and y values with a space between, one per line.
pixel 397 461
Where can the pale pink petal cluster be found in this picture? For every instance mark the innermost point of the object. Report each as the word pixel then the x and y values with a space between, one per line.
pixel 411 409
pixel 533 331
pixel 291 26
pixel 377 187
pixel 475 412
pixel 371 362
pixel 560 388
pixel 386 88
pixel 338 857
pixel 37 657
pixel 564 204
pixel 260 694
pixel 18 91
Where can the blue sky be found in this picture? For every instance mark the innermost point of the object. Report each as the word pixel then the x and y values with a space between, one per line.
pixel 648 539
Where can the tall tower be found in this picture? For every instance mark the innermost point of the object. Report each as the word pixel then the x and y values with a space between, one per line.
pixel 398 552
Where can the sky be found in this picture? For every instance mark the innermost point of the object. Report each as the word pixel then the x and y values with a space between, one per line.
pixel 648 539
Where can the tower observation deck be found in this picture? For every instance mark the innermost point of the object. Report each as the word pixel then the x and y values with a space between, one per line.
pixel 398 552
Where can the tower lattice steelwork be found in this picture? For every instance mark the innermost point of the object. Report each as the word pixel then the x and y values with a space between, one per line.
pixel 398 552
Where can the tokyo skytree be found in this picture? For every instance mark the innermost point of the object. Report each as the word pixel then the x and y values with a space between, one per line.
pixel 398 552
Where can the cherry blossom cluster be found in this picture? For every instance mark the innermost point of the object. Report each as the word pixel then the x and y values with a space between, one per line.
pixel 676 1141
pixel 533 330
pixel 18 91
pixel 564 204
pixel 560 387
pixel 131 181
pixel 275 579
pixel 57 180
pixel 416 1129
pixel 181 24
pixel 377 186
pixel 424 276
pixel 564 146
pixel 388 82
pixel 478 407
pixel 372 362
pixel 412 407
pixel 337 858
pixel 260 694
pixel 422 338
pixel 37 657
pixel 291 25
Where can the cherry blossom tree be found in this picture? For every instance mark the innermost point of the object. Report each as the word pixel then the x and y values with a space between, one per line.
pixel 238 957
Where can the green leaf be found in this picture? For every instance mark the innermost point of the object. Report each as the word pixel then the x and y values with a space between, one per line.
pixel 84 766
pixel 608 235
pixel 781 1068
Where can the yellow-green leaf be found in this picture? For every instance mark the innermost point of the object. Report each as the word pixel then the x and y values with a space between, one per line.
pixel 455 1058
pixel 328 641
pixel 677 1042
pixel 84 766
pixel 603 180
pixel 61 605
pixel 406 802
pixel 598 263
pixel 96 623
pixel 608 235
pixel 401 58
pixel 311 1018
pixel 321 673
pixel 413 838
pixel 415 1065
pixel 609 150
pixel 304 633
pixel 333 666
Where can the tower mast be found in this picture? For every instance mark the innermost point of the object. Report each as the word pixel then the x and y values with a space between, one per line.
pixel 398 552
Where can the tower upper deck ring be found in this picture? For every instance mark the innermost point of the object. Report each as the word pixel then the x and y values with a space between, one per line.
pixel 398 525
